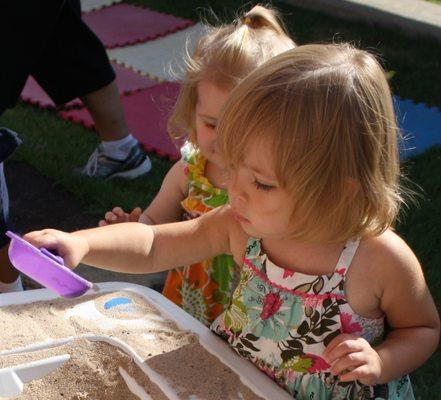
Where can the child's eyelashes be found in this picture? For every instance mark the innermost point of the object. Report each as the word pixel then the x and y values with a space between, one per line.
pixel 262 186
pixel 210 125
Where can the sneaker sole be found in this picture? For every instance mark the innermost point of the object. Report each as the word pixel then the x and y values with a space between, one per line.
pixel 141 169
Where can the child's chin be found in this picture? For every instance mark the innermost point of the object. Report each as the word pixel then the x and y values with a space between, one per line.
pixel 248 229
pixel 217 159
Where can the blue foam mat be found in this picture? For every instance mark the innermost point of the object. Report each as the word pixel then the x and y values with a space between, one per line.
pixel 420 126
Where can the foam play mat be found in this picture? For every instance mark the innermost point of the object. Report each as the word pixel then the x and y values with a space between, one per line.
pixel 124 24
pixel 420 126
pixel 90 5
pixel 121 341
pixel 163 57
pixel 147 112
pixel 127 80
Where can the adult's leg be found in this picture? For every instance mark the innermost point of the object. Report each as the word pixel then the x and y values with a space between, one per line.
pixel 75 64
pixel 107 112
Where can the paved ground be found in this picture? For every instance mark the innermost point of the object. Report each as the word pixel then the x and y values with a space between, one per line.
pixel 37 202
pixel 413 16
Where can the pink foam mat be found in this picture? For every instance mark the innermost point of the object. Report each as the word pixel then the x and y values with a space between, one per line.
pixel 127 80
pixel 124 24
pixel 147 112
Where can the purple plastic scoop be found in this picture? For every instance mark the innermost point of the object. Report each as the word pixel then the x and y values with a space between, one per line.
pixel 46 268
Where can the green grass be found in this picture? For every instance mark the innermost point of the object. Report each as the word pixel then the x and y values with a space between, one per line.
pixel 55 147
pixel 421 228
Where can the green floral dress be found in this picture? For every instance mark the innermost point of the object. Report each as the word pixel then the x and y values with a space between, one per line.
pixel 203 289
pixel 282 321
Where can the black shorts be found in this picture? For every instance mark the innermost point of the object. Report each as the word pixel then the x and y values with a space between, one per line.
pixel 49 40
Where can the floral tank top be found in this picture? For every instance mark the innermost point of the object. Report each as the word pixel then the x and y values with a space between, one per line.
pixel 204 289
pixel 282 321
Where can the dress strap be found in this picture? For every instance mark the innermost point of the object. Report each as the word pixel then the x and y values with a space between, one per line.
pixel 346 256
pixel 194 160
pixel 253 248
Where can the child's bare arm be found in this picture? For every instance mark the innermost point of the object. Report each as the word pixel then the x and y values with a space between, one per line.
pixel 138 248
pixel 411 315
pixel 166 206
pixel 118 215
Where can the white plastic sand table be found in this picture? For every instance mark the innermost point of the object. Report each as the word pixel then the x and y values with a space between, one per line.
pixel 13 379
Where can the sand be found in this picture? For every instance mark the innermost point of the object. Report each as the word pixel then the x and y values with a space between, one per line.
pixel 39 322
pixel 91 373
pixel 193 371
pixel 94 370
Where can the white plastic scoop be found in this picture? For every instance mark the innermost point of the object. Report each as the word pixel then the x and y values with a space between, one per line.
pixel 13 378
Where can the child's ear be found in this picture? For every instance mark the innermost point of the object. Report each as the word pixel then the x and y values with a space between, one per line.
pixel 353 187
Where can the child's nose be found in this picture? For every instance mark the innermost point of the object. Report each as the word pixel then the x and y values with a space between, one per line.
pixel 235 188
pixel 216 146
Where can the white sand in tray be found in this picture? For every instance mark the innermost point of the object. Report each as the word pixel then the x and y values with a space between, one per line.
pixel 141 326
pixel 175 354
pixel 196 374
pixel 91 373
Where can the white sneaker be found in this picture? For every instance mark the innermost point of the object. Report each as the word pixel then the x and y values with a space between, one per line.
pixel 100 166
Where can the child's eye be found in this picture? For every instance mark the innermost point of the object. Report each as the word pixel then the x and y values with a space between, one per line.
pixel 209 125
pixel 262 186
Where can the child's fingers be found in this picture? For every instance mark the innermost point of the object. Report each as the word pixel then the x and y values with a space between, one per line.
pixel 135 214
pixel 347 363
pixel 103 222
pixel 340 346
pixel 70 247
pixel 44 238
pixel 33 237
pixel 357 373
pixel 118 211
pixel 110 216
pixel 137 210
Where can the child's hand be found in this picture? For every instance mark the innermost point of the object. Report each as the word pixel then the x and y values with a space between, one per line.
pixel 352 358
pixel 118 215
pixel 70 246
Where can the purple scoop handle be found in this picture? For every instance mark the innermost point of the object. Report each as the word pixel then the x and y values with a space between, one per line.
pixel 46 268
pixel 53 256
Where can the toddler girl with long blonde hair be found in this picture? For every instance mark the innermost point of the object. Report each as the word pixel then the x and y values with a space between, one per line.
pixel 196 184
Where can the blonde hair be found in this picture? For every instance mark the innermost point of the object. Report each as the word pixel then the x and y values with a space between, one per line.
pixel 225 55
pixel 327 112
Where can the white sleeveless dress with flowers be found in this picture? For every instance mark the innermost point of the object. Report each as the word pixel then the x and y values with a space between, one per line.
pixel 282 321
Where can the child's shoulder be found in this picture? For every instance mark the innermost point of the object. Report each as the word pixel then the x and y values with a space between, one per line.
pixel 387 249
pixel 387 257
pixel 383 266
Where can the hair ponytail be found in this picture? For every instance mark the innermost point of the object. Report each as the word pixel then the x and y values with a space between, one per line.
pixel 261 17
pixel 224 56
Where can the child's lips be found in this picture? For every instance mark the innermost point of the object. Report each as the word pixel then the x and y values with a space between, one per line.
pixel 239 217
